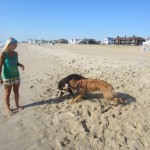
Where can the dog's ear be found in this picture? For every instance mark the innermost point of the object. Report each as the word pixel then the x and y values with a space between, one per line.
pixel 73 83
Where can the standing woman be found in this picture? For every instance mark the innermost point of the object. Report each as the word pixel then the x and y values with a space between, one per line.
pixel 9 73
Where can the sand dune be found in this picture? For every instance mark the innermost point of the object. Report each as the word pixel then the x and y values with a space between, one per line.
pixel 91 124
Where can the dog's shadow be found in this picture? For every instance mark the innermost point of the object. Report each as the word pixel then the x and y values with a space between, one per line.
pixel 127 99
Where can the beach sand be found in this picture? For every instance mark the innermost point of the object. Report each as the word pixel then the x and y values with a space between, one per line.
pixel 48 123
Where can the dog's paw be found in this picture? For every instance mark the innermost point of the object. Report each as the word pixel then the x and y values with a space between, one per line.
pixel 72 101
pixel 115 102
pixel 118 101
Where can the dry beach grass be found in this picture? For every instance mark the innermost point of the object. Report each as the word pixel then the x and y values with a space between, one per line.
pixel 91 124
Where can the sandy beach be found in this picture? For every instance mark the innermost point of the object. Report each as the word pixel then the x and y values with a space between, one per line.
pixel 48 123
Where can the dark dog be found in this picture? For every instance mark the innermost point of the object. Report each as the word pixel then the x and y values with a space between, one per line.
pixel 63 84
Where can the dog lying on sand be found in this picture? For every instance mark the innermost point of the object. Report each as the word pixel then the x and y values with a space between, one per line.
pixel 63 84
pixel 93 85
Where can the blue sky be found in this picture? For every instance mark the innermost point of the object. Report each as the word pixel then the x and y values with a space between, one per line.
pixel 54 19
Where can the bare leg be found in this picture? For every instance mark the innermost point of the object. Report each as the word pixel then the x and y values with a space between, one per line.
pixel 78 97
pixel 70 91
pixel 108 94
pixel 16 96
pixel 61 94
pixel 7 98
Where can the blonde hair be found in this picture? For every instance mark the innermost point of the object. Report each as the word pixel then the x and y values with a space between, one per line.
pixel 9 42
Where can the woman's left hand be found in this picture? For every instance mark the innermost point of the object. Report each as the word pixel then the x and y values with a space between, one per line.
pixel 22 66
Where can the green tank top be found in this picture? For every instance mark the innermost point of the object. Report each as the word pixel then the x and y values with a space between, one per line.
pixel 10 69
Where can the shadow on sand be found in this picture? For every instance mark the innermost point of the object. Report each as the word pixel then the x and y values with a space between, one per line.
pixel 49 101
pixel 127 99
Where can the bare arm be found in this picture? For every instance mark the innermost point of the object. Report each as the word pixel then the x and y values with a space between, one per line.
pixel 19 64
pixel 1 64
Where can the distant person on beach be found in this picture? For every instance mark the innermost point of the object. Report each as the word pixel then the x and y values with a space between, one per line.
pixel 9 73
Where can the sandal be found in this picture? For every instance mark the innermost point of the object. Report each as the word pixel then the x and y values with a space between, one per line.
pixel 20 107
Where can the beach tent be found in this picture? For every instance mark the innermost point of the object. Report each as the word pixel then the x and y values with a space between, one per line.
pixel 74 41
pixel 107 41
pixel 146 45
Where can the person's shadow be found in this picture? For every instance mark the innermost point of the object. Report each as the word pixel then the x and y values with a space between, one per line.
pixel 127 99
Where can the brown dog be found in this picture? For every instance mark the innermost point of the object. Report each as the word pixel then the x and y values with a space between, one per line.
pixel 93 85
